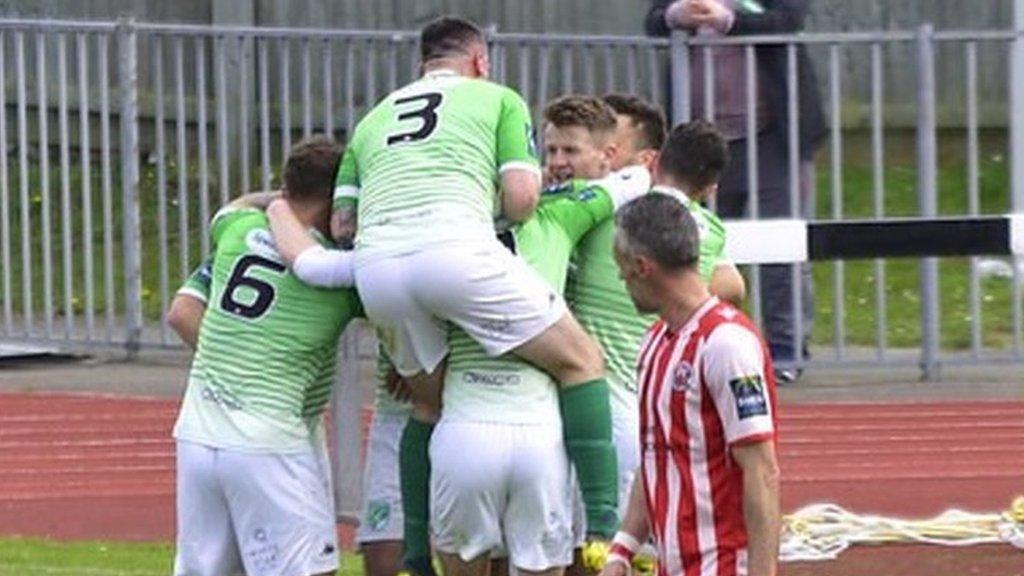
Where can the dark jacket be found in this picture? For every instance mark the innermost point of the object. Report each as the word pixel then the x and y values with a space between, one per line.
pixel 779 17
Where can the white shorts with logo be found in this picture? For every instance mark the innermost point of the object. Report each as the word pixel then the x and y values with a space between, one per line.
pixel 264 514
pixel 490 293
pixel 501 489
pixel 381 519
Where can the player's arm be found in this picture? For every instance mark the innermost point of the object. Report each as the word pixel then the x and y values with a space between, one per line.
pixel 586 204
pixel 627 184
pixel 727 283
pixel 185 313
pixel 257 200
pixel 760 505
pixel 743 397
pixel 309 261
pixel 518 166
pixel 346 199
pixel 634 531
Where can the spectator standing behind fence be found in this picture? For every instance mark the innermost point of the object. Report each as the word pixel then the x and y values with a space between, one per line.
pixel 744 17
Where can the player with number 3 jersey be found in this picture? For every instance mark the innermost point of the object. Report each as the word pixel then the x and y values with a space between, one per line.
pixel 424 176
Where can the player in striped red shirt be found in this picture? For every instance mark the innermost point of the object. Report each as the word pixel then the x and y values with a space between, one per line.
pixel 710 489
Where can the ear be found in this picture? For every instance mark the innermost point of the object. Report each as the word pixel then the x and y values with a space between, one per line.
pixel 609 152
pixel 707 191
pixel 650 160
pixel 644 266
pixel 481 64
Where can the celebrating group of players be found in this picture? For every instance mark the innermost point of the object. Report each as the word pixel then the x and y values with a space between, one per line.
pixel 508 424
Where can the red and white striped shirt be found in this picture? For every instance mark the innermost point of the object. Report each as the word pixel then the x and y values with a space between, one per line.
pixel 703 388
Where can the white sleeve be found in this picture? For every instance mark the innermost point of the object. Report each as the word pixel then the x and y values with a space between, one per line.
pixel 626 184
pixel 733 365
pixel 325 268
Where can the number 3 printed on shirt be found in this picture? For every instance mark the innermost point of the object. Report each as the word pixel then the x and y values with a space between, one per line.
pixel 426 112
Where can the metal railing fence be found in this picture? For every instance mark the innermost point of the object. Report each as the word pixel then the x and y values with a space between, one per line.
pixel 119 139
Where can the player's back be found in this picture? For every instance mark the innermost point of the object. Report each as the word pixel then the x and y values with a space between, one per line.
pixel 264 364
pixel 426 160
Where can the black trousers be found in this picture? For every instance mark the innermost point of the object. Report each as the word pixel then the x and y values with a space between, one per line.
pixel 773 196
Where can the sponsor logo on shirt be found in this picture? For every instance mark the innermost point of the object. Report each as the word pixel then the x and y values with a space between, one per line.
pixel 491 378
pixel 221 398
pixel 587 194
pixel 750 397
pixel 261 242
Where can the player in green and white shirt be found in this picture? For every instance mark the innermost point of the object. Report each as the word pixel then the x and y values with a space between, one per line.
pixel 253 488
pixel 423 177
pixel 380 528
pixel 500 477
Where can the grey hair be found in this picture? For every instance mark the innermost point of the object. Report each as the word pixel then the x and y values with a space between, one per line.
pixel 661 228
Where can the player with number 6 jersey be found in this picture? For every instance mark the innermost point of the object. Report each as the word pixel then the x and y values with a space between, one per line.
pixel 253 487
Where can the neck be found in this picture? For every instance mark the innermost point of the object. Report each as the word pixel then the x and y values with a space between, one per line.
pixel 673 183
pixel 458 65
pixel 683 298
pixel 313 215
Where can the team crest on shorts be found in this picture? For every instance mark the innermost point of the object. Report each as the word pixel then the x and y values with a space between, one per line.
pixel 378 514
pixel 682 377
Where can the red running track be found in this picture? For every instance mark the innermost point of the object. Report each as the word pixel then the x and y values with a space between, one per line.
pixel 102 467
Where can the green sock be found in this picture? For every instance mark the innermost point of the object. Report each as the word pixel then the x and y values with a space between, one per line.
pixel 414 466
pixel 587 427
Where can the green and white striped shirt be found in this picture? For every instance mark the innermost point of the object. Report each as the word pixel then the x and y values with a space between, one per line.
pixel 265 360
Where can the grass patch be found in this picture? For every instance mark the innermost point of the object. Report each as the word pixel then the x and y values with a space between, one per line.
pixel 901 278
pixel 36 557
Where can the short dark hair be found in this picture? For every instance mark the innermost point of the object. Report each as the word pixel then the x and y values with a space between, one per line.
pixel 660 227
pixel 647 117
pixel 447 36
pixel 589 112
pixel 695 153
pixel 310 168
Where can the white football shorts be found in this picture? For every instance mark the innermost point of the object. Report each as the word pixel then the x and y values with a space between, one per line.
pixel 501 489
pixel 382 517
pixel 490 293
pixel 266 514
